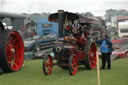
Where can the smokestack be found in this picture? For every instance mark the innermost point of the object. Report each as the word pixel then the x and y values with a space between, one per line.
pixel 60 21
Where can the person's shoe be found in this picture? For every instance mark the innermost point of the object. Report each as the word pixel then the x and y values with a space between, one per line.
pixel 108 68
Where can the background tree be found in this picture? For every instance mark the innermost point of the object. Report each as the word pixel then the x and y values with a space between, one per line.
pixel 111 12
pixel 87 14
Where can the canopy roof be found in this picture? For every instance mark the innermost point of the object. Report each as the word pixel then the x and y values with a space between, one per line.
pixel 74 16
pixel 68 15
pixel 88 19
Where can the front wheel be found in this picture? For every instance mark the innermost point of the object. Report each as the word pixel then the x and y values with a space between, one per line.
pixel 47 64
pixel 72 65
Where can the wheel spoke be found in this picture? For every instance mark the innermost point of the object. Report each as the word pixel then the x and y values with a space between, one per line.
pixel 15 64
pixel 9 59
pixel 72 65
pixel 93 61
pixel 12 35
pixel 47 64
pixel 49 69
pixel 16 40
pixel 18 45
pixel 12 63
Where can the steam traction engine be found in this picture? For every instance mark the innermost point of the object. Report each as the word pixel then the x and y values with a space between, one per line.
pixel 11 50
pixel 74 46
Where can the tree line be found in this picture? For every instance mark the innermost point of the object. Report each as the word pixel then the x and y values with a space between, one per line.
pixel 109 13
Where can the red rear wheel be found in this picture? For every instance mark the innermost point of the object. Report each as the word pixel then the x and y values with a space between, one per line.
pixel 11 51
pixel 90 58
pixel 47 64
pixel 72 64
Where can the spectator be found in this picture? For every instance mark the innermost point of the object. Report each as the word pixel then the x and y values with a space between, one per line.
pixel 106 50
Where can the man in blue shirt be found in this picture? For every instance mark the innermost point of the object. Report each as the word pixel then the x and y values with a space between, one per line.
pixel 106 50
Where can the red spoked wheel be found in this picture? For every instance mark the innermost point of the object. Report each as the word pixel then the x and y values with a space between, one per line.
pixel 90 55
pixel 11 51
pixel 73 64
pixel 47 64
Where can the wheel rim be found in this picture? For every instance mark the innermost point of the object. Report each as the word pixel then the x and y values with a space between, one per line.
pixel 15 51
pixel 74 65
pixel 92 56
pixel 48 65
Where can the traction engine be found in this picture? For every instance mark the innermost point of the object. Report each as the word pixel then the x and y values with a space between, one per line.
pixel 74 47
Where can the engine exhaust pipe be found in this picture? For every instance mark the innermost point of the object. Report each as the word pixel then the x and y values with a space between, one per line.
pixel 60 21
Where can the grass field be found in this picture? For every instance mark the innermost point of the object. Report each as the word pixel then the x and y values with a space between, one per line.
pixel 31 74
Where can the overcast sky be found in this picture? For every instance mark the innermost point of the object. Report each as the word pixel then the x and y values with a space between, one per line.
pixel 97 7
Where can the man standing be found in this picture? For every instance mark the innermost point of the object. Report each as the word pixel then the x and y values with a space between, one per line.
pixel 106 50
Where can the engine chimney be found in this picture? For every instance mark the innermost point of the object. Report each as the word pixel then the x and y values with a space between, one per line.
pixel 60 21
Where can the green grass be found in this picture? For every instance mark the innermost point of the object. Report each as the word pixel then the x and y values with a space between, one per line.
pixel 31 74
